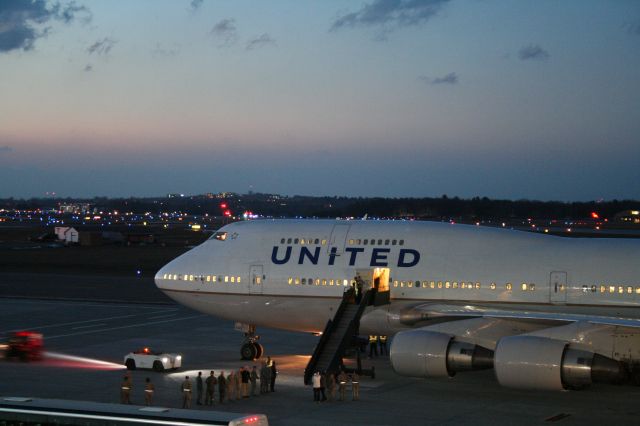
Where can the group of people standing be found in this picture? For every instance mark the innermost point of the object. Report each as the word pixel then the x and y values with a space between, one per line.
pixel 236 385
pixel 326 385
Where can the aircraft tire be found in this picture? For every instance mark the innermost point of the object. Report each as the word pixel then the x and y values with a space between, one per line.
pixel 248 352
pixel 130 364
pixel 259 350
pixel 157 366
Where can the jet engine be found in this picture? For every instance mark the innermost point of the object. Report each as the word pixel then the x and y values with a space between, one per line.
pixel 540 363
pixel 424 353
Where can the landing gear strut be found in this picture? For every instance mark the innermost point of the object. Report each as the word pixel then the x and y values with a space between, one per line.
pixel 250 348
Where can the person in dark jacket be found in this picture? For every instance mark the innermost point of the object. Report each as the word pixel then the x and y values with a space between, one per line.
pixel 274 373
pixel 210 383
pixel 199 388
pixel 222 387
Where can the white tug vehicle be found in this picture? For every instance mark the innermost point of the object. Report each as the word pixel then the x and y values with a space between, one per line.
pixel 158 361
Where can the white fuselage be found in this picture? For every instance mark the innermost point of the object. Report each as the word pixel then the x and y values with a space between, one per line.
pixel 291 274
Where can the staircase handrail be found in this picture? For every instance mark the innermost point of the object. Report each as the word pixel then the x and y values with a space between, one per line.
pixel 328 330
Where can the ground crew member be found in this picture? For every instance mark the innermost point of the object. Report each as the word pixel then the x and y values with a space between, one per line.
pixel 231 386
pixel 274 373
pixel 186 393
pixel 342 384
pixel 125 390
pixel 317 382
pixel 148 391
pixel 254 379
pixel 331 386
pixel 267 376
pixel 238 384
pixel 246 377
pixel 222 387
pixel 355 386
pixel 383 345
pixel 199 388
pixel 373 345
pixel 211 386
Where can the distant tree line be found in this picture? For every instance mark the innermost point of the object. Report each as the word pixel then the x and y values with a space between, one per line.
pixel 444 207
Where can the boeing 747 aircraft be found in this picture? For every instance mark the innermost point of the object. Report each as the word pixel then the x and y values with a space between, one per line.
pixel 545 312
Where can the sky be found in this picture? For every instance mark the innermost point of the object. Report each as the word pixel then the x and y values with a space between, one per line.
pixel 504 99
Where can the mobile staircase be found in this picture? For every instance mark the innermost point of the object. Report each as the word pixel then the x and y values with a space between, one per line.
pixel 340 334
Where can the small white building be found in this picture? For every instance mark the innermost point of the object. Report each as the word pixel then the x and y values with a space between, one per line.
pixel 67 234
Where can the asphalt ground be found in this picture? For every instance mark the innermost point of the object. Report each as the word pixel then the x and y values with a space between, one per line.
pixel 99 332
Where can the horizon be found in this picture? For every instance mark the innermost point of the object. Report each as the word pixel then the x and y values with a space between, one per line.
pixel 523 100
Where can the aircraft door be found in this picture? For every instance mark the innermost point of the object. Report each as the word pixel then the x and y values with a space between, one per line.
pixel 256 279
pixel 558 287
pixel 338 237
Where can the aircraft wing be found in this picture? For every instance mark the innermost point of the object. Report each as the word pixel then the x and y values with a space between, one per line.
pixel 452 312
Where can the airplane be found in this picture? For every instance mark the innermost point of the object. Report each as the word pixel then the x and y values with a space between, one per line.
pixel 545 312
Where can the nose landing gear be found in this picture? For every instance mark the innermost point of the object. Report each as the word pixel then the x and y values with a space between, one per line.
pixel 250 349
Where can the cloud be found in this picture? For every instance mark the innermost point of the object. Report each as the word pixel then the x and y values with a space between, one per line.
pixel 5 148
pixel 21 21
pixel 88 68
pixel 534 52
pixel 259 42
pixel 195 5
pixel 390 14
pixel 102 47
pixel 451 78
pixel 225 31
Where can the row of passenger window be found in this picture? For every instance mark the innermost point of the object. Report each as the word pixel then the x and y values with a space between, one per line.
pixel 352 241
pixel 462 284
pixel 612 289
pixel 317 281
pixel 303 241
pixel 374 242
pixel 203 278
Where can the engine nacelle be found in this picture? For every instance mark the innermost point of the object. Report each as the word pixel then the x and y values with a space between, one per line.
pixel 540 363
pixel 424 353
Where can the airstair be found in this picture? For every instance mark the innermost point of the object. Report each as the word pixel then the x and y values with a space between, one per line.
pixel 341 332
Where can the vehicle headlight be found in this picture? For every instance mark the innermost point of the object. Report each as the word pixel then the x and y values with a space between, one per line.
pixel 165 360
pixel 179 358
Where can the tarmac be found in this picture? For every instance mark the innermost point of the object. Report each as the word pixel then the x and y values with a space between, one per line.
pixel 88 331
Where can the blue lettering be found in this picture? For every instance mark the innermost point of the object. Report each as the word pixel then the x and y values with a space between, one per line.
pixel 274 256
pixel 379 257
pixel 304 252
pixel 404 264
pixel 354 253
pixel 332 255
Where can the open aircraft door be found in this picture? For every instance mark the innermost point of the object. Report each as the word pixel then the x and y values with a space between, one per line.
pixel 256 279
pixel 338 237
pixel 377 278
pixel 558 287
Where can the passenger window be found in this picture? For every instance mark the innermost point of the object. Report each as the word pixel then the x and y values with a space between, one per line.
pixel 386 242
pixel 324 242
pixel 478 286
pixel 401 242
pixel 417 284
pixel 432 284
pixel 233 279
pixel 532 287
pixel 509 286
pixel 365 242
pixel 394 242
pixel 492 286
pixel 304 281
pixel 324 281
pixel 447 284
pixel 379 242
pixel 290 280
pixel 302 241
pixel 317 241
pixel 288 240
pixel 282 241
pixel 439 284
pixel 296 241
pixel 330 282
pixel 455 284
pixel 297 281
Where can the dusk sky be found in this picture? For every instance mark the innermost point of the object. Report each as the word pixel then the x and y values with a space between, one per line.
pixel 505 99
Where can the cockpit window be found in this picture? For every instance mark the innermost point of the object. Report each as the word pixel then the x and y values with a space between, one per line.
pixel 219 236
